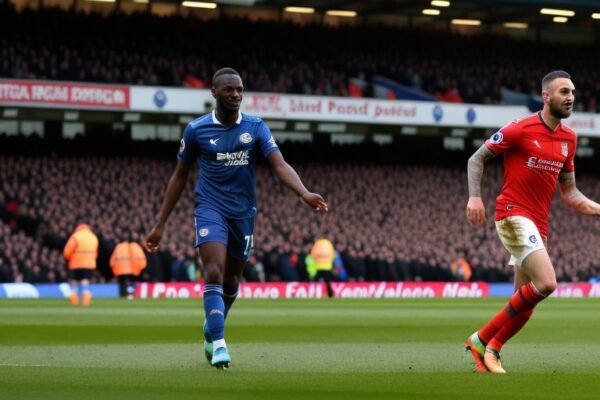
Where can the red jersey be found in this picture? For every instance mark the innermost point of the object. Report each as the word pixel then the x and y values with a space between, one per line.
pixel 534 156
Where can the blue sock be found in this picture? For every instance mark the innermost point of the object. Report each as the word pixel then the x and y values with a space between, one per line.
pixel 214 309
pixel 228 299
pixel 83 287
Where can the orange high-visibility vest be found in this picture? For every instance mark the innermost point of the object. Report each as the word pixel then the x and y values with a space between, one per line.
pixel 81 250
pixel 138 258
pixel 128 259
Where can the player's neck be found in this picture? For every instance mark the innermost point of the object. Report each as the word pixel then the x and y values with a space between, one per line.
pixel 227 118
pixel 549 120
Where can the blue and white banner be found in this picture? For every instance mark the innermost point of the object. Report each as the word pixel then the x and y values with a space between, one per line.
pixel 275 105
pixel 53 290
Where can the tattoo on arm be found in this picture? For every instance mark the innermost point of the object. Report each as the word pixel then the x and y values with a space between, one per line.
pixel 573 197
pixel 567 178
pixel 475 169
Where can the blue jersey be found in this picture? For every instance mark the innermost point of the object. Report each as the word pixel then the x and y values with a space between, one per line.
pixel 227 161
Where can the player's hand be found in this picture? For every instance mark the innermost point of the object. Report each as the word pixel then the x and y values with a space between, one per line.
pixel 476 211
pixel 153 239
pixel 315 201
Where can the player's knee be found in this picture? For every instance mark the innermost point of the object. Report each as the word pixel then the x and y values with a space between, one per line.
pixel 213 274
pixel 547 286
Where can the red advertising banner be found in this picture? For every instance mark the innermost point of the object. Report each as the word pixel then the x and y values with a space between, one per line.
pixel 64 94
pixel 168 289
pixel 283 290
pixel 305 290
pixel 409 289
pixel 276 290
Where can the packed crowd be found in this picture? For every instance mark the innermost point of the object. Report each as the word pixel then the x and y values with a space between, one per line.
pixel 388 222
pixel 280 56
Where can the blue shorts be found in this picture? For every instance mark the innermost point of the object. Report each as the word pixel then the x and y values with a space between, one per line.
pixel 236 234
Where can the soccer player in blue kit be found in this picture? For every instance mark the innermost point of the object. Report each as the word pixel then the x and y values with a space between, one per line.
pixel 225 143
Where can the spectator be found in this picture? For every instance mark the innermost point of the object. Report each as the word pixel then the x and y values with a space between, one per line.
pixel 50 44
pixel 410 210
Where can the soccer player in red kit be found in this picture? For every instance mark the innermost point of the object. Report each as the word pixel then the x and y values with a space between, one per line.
pixel 538 153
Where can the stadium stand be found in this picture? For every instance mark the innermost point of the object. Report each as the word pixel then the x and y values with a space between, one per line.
pixel 175 51
pixel 393 216
pixel 389 219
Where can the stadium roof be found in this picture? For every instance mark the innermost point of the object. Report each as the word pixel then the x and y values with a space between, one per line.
pixel 488 11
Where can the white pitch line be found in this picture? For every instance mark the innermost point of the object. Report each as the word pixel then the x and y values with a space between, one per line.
pixel 25 365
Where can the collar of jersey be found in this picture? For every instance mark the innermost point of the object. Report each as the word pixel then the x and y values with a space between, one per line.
pixel 216 121
pixel 558 127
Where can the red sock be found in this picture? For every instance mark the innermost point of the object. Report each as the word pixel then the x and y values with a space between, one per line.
pixel 509 329
pixel 526 298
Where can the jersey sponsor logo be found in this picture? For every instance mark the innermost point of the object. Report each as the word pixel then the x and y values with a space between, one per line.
pixel 564 149
pixel 497 138
pixel 203 232
pixel 545 165
pixel 214 141
pixel 272 142
pixel 245 138
pixel 182 146
pixel 235 159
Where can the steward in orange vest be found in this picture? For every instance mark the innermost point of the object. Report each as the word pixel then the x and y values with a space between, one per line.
pixel 127 261
pixel 81 252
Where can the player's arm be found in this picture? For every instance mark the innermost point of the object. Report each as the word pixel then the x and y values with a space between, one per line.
pixel 290 177
pixel 475 166
pixel 172 194
pixel 573 198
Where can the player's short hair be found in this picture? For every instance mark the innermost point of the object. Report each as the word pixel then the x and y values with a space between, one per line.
pixel 224 71
pixel 550 76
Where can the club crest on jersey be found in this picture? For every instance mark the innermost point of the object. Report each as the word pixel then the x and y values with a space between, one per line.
pixel 533 239
pixel 497 138
pixel 182 146
pixel 245 138
pixel 564 149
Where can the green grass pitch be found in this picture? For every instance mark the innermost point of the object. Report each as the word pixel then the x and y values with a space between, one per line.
pixel 292 349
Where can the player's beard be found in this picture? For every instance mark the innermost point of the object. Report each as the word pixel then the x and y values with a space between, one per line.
pixel 558 112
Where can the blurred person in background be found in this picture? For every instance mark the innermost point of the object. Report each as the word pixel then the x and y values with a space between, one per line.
pixel 225 142
pixel 538 152
pixel 6 273
pixel 461 269
pixel 287 264
pixel 127 262
pixel 323 264
pixel 81 252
